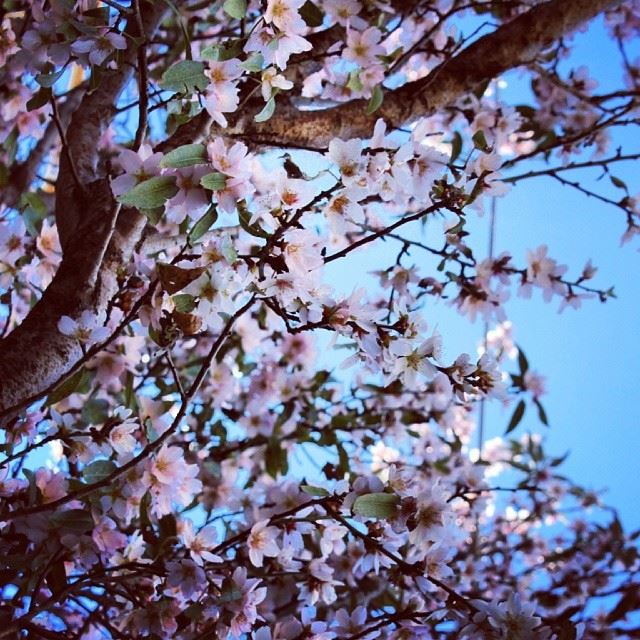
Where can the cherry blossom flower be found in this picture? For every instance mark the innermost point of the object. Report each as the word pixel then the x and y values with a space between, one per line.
pixel 86 329
pixel 262 541
pixel 363 46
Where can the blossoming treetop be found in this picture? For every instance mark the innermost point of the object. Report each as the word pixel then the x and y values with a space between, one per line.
pixel 176 181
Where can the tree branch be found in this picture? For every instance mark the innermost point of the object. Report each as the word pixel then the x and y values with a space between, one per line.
pixel 513 44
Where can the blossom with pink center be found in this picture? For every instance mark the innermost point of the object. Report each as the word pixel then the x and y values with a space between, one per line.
pixel 222 92
pixel 293 193
pixel 271 80
pixel 97 49
pixel 86 329
pixel 363 47
pixel 347 155
pixel 52 485
pixel 199 543
pixel 168 464
pixel 121 437
pixel 302 251
pixel 231 160
pixel 276 48
pixel 48 242
pixel 138 167
pixel 107 537
pixel 284 15
pixel 262 542
pixel 411 360
pixel 191 200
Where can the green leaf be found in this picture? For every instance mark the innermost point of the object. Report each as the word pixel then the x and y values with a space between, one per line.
pixel 185 156
pixel 215 181
pixel 185 76
pixel 276 458
pixel 311 14
pixel 235 8
pixel 66 388
pixel 204 224
pixel 354 83
pixel 98 470
pixel 456 146
pixel 47 80
pixel 252 229
pixel 375 101
pixel 57 577
pixel 253 63
pixel 267 111
pixel 523 363
pixel 151 193
pixel 316 492
pixel 480 141
pixel 542 414
pixel 95 411
pixel 39 99
pixel 77 520
pixel 516 417
pixel 376 505
pixel 184 303
pixel 616 182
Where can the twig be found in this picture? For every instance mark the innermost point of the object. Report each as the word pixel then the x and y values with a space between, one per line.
pixel 143 80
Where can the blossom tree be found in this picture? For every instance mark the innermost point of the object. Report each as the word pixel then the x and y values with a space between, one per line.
pixel 181 184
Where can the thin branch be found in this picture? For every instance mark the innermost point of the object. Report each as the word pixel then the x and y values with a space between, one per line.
pixel 143 80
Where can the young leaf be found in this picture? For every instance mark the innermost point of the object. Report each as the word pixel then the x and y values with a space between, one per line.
pixel 76 520
pixel 311 14
pixel 316 492
pixel 65 388
pixel 523 363
pixel 174 279
pixel 376 505
pixel 49 79
pixel 376 100
pixel 235 8
pixel 516 417
pixel 185 156
pixel 479 141
pixel 214 181
pixel 98 470
pixel 203 225
pixel 185 76
pixel 542 414
pixel 39 99
pixel 267 111
pixel 184 303
pixel 151 193
pixel 456 146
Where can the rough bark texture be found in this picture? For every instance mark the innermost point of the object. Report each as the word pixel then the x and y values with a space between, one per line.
pixel 509 46
pixel 97 237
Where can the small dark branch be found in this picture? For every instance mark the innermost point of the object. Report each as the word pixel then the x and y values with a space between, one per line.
pixel 381 233
pixel 174 373
pixel 143 80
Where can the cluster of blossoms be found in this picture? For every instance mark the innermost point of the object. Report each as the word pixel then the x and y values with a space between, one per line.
pixel 201 471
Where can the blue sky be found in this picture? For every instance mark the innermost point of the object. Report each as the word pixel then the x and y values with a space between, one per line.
pixel 589 356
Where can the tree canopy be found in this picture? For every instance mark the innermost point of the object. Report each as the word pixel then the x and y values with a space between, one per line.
pixel 182 184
